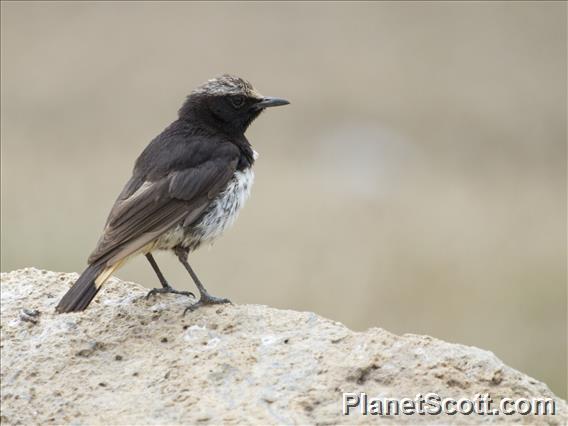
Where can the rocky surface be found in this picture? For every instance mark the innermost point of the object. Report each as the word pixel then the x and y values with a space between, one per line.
pixel 127 360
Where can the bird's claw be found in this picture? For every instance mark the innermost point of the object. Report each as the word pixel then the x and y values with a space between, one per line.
pixel 156 291
pixel 207 300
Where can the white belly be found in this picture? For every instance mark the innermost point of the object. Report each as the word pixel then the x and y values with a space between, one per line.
pixel 220 215
pixel 225 208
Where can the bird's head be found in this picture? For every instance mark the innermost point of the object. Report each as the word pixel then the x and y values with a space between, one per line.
pixel 229 102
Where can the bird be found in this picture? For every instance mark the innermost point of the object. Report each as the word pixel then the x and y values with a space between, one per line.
pixel 187 187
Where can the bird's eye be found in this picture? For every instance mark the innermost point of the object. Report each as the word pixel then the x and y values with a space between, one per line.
pixel 238 101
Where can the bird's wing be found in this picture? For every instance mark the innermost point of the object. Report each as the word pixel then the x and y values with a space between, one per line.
pixel 146 209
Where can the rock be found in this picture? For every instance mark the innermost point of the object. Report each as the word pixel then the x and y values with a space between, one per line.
pixel 127 360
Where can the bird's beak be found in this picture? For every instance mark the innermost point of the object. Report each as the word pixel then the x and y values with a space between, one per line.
pixel 268 102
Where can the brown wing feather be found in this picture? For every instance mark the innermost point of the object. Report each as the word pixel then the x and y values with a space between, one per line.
pixel 145 210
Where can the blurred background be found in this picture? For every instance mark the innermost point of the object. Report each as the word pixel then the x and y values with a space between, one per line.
pixel 417 182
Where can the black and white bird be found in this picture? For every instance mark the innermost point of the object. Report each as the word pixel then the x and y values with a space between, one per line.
pixel 186 188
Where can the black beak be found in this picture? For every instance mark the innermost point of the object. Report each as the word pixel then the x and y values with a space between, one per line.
pixel 268 102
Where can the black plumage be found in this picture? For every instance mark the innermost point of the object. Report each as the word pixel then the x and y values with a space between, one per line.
pixel 186 187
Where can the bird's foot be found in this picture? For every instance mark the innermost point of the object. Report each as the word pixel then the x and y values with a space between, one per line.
pixel 206 299
pixel 168 289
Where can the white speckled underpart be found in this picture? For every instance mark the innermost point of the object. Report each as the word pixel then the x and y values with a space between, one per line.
pixel 220 215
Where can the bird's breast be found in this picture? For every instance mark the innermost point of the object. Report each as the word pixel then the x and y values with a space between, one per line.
pixel 216 218
pixel 224 209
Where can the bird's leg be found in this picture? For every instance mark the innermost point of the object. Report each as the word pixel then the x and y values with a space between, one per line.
pixel 166 287
pixel 204 297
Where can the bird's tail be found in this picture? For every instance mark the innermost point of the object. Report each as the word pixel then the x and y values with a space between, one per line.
pixel 86 287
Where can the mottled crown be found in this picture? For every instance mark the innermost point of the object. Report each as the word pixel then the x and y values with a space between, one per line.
pixel 227 84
